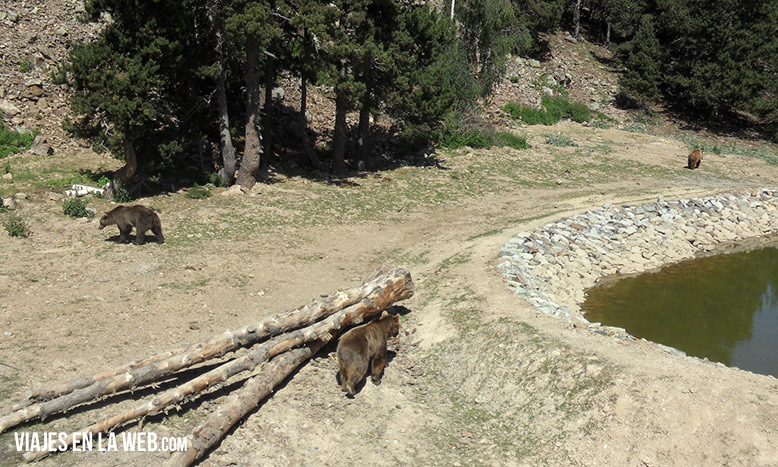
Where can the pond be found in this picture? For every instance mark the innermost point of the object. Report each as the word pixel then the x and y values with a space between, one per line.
pixel 722 307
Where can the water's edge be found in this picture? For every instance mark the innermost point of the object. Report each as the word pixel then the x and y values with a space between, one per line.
pixel 552 266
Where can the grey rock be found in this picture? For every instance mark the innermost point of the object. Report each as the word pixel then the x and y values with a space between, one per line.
pixel 9 109
pixel 41 146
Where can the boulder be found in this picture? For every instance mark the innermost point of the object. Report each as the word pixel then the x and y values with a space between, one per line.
pixel 41 146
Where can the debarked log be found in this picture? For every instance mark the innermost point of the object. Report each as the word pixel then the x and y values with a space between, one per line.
pixel 383 283
pixel 240 403
pixel 322 331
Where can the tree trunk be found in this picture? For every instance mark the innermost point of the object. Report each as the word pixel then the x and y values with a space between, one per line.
pixel 363 143
pixel 577 18
pixel 381 286
pixel 249 166
pixel 307 147
pixel 339 139
pixel 608 34
pixel 124 174
pixel 240 403
pixel 56 390
pixel 452 9
pixel 268 112
pixel 227 172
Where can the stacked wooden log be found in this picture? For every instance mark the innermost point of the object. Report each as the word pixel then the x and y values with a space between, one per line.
pixel 281 343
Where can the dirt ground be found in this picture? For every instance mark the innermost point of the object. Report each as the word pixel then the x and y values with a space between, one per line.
pixel 477 377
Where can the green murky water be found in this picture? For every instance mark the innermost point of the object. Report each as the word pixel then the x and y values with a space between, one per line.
pixel 721 307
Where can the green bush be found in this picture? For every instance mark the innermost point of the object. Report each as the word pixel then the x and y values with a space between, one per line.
pixel 12 142
pixel 198 192
pixel 560 107
pixel 121 195
pixel 457 138
pixel 214 179
pixel 559 140
pixel 76 207
pixel 16 226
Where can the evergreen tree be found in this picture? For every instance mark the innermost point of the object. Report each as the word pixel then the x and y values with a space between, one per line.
pixel 710 56
pixel 123 82
pixel 253 21
pixel 642 77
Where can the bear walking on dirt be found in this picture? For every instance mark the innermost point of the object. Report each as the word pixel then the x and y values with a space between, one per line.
pixel 362 345
pixel 127 217
pixel 695 159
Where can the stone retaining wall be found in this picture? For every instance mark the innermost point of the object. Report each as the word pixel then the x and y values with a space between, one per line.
pixel 553 265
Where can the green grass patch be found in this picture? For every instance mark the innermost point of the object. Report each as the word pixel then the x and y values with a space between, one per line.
pixel 12 141
pixel 554 108
pixel 481 138
pixel 528 115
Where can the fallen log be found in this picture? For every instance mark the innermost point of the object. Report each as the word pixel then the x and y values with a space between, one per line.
pixel 240 403
pixel 322 331
pixel 382 282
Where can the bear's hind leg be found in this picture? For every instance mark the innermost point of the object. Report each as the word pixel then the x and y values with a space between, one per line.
pixel 377 366
pixel 157 230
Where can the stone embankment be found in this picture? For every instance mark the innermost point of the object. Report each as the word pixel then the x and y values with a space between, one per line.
pixel 553 265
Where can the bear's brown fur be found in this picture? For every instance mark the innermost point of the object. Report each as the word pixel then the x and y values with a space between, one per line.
pixel 362 345
pixel 140 217
pixel 695 158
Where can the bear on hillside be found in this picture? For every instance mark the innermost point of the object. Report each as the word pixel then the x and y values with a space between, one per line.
pixel 127 217
pixel 362 345
pixel 695 159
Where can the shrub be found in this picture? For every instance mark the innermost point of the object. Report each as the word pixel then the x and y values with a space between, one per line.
pixel 560 107
pixel 214 179
pixel 76 207
pixel 198 192
pixel 16 226
pixel 121 195
pixel 12 142
pixel 559 140
pixel 602 124
pixel 25 65
pixel 457 138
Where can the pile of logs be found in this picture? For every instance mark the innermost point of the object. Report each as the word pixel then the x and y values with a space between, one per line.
pixel 277 345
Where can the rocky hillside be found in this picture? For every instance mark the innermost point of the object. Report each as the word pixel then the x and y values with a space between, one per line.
pixel 36 37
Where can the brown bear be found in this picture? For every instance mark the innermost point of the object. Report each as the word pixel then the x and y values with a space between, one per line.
pixel 362 345
pixel 695 158
pixel 140 217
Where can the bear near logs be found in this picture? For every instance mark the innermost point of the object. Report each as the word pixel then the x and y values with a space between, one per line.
pixel 127 217
pixel 695 159
pixel 365 345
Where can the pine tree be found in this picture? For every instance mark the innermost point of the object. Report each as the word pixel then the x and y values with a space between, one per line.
pixel 642 78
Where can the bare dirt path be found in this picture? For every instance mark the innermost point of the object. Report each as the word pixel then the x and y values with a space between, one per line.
pixel 483 379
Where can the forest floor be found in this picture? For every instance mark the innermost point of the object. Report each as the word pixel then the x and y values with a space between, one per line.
pixel 484 379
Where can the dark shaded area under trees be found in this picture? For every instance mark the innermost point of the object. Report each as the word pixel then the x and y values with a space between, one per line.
pixel 181 89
